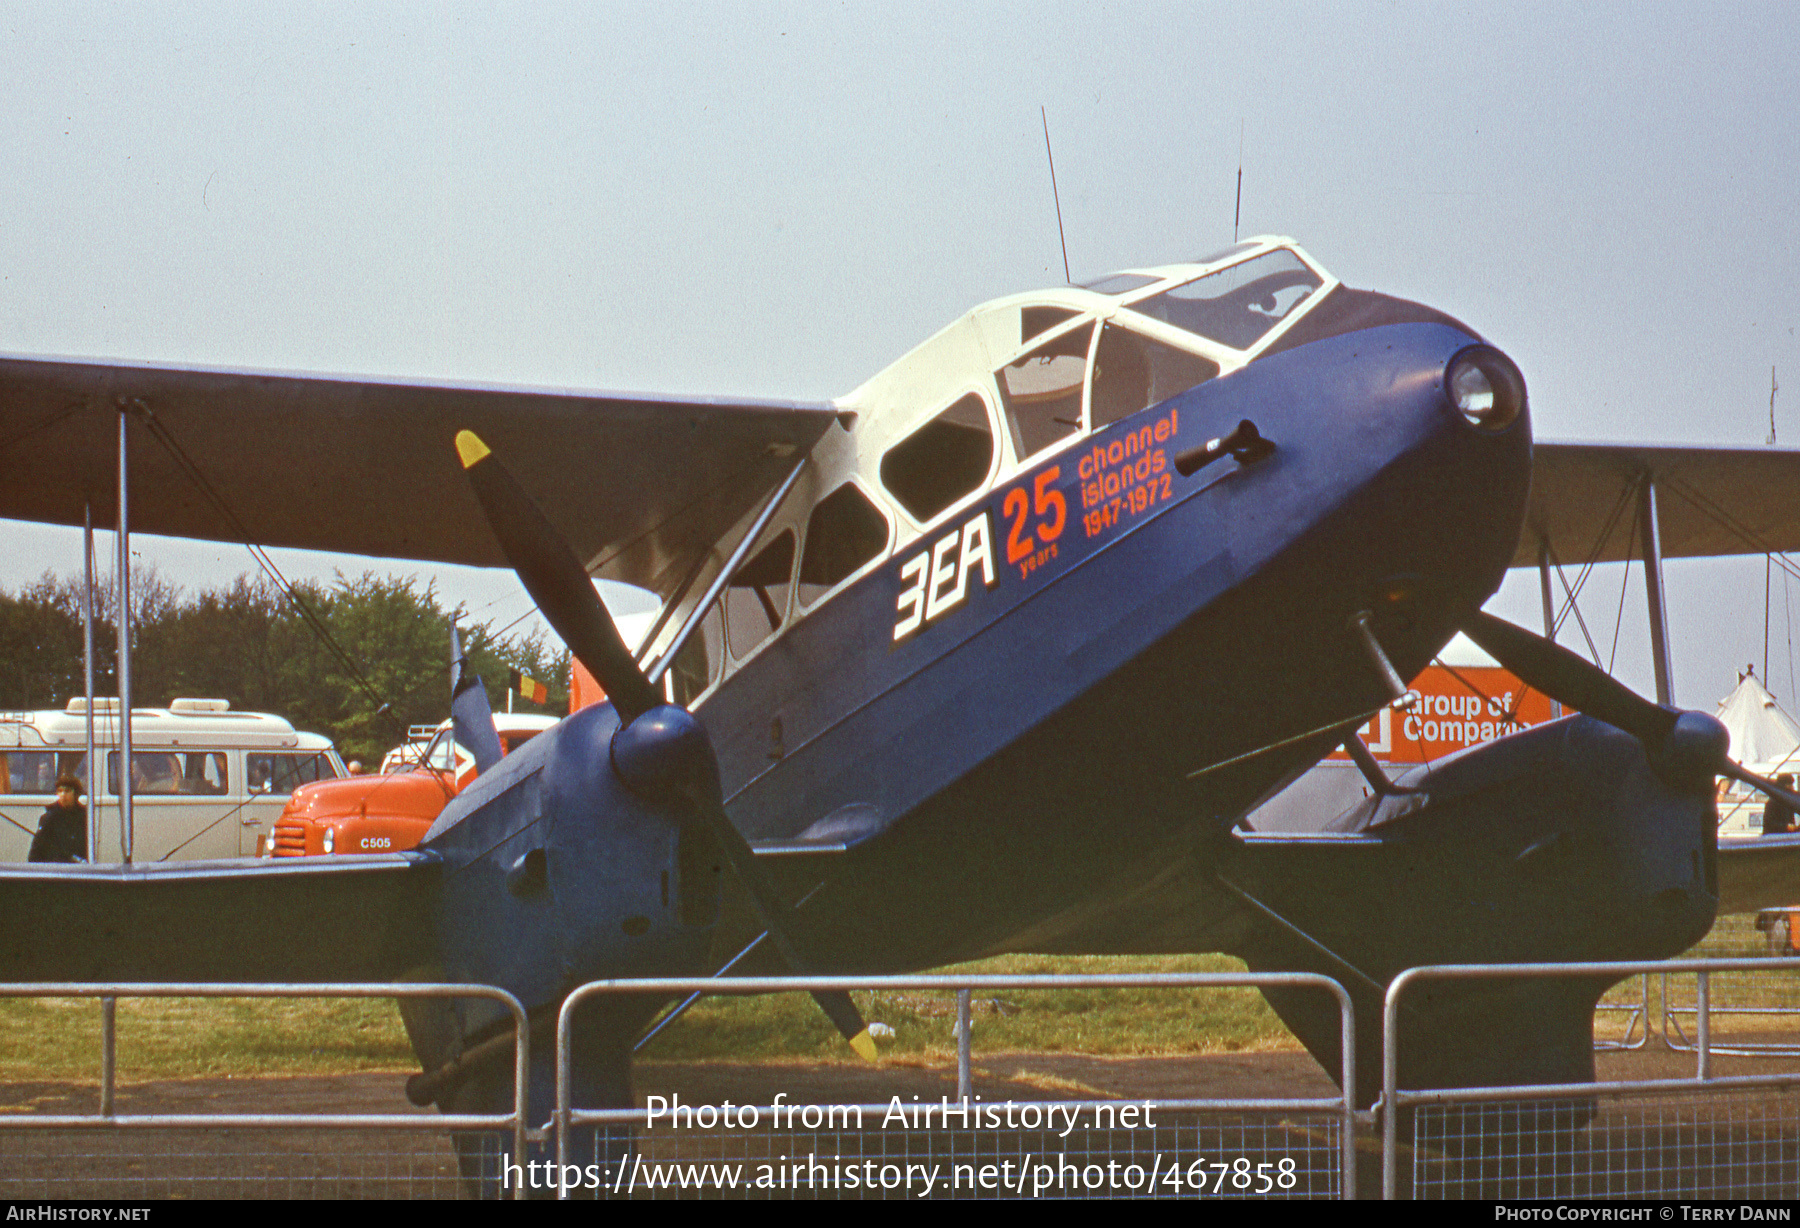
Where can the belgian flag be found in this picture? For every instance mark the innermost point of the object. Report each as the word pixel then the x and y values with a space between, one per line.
pixel 530 688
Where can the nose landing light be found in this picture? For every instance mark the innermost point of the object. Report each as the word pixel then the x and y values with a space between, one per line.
pixel 1485 387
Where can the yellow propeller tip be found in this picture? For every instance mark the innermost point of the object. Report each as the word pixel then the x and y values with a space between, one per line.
pixel 864 1044
pixel 470 448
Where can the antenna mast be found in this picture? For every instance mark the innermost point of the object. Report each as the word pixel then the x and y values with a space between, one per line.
pixel 1237 212
pixel 1053 194
pixel 1773 388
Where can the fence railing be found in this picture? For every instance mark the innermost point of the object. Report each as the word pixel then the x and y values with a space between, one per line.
pixel 570 1118
pixel 1499 1138
pixel 107 1118
pixel 1538 1120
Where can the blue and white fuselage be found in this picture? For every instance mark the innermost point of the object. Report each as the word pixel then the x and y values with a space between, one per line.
pixel 997 642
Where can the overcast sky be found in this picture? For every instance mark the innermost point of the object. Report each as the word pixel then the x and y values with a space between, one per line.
pixel 778 202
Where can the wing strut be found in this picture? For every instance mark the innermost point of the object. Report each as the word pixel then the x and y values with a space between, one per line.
pixel 1371 770
pixel 725 573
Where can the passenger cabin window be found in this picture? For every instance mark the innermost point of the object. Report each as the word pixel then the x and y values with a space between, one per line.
pixel 756 599
pixel 846 530
pixel 1237 305
pixel 170 772
pixel 1042 392
pixel 937 464
pixel 285 773
pixel 1132 372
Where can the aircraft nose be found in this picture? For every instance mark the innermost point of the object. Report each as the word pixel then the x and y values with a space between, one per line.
pixel 1485 387
pixel 1407 449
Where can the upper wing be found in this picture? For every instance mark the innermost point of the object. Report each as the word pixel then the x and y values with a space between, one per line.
pixel 635 483
pixel 1710 501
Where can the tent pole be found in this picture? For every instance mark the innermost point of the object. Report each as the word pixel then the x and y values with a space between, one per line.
pixel 1653 582
pixel 123 784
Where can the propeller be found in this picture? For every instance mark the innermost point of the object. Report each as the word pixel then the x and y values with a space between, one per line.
pixel 556 580
pixel 470 715
pixel 667 747
pixel 1683 745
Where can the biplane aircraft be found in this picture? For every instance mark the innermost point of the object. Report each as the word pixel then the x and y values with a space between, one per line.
pixel 992 654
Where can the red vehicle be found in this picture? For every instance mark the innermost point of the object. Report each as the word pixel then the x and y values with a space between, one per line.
pixel 1782 925
pixel 388 811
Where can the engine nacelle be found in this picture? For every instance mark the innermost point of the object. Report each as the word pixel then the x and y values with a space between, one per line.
pixel 1559 844
pixel 556 873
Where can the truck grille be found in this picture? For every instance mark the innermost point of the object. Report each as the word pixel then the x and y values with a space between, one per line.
pixel 290 839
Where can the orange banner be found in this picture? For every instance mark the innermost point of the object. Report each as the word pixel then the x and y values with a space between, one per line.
pixel 1452 711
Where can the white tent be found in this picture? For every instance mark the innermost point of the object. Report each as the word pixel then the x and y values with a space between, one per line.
pixel 1763 737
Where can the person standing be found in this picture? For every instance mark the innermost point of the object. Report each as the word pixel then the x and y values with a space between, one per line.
pixel 62 829
pixel 1778 816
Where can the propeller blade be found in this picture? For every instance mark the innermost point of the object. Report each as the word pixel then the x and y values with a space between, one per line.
pixel 1761 783
pixel 667 754
pixel 1685 748
pixel 471 716
pixel 776 915
pixel 1562 675
pixel 555 579
pixel 565 596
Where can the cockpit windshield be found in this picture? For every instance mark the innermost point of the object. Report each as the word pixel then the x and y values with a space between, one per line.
pixel 1237 305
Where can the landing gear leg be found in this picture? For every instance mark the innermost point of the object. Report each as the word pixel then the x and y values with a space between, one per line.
pixel 600 1078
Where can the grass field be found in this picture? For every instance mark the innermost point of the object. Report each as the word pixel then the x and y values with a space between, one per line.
pixel 172 1038
pixel 59 1038
pixel 1089 1021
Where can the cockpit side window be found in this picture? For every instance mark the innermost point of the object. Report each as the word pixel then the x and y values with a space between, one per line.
pixel 1035 320
pixel 1042 391
pixel 1237 305
pixel 1132 372
pixel 940 462
pixel 845 531
pixel 756 600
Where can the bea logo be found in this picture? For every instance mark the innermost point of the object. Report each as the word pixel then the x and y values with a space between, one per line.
pixel 936 581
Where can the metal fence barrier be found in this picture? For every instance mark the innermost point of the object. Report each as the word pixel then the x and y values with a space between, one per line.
pixel 1736 1016
pixel 1700 1137
pixel 90 1150
pixel 1269 1147
pixel 1637 1019
pixel 1697 1137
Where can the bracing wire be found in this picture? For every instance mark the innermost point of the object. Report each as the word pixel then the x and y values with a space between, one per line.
pixel 160 431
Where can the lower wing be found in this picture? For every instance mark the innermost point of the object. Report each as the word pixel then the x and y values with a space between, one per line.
pixel 299 919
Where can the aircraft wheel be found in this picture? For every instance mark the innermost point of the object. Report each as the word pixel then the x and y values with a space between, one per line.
pixel 1780 940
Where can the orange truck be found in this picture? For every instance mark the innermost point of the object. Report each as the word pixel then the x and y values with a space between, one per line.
pixel 390 810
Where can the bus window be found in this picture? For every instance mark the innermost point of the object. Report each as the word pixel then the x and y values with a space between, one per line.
pixel 279 773
pixel 26 771
pixel 35 771
pixel 156 772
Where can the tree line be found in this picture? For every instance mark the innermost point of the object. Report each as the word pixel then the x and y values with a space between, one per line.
pixel 358 660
